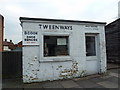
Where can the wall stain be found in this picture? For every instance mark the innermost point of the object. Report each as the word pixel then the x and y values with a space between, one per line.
pixel 32 74
pixel 66 73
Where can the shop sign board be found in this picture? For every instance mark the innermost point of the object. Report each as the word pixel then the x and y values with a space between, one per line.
pixel 30 38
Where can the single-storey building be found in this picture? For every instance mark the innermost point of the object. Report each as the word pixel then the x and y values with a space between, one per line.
pixel 57 49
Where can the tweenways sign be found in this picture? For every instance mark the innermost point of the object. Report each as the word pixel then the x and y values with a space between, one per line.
pixel 32 37
pixel 54 27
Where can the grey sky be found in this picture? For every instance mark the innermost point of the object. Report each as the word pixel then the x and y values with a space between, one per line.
pixel 83 10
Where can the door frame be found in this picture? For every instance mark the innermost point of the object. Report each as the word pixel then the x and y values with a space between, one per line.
pixel 97 48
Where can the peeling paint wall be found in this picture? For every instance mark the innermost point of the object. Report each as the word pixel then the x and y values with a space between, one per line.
pixel 37 68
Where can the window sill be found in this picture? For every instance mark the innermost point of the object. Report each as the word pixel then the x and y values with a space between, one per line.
pixel 91 58
pixel 56 59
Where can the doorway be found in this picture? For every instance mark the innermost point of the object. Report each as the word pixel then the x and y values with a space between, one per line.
pixel 92 54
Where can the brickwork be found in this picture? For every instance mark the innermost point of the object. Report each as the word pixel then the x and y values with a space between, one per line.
pixel 1 32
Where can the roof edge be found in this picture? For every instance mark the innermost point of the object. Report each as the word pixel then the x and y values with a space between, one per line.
pixel 113 22
pixel 60 20
pixel 1 16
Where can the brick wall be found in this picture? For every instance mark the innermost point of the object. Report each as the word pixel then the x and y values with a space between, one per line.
pixel 113 41
pixel 1 32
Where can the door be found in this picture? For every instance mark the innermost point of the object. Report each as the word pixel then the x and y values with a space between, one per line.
pixel 92 59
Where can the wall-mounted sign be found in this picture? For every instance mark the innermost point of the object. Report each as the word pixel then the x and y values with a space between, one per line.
pixel 91 27
pixel 30 38
pixel 61 41
pixel 55 27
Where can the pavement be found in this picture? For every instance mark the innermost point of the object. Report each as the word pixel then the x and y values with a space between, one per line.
pixel 107 80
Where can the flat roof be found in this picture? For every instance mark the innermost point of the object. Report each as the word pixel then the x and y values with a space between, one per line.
pixel 59 20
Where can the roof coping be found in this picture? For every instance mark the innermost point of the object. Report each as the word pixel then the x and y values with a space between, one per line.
pixel 59 20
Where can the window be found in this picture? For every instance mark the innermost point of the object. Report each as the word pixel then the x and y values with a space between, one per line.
pixel 90 46
pixel 55 46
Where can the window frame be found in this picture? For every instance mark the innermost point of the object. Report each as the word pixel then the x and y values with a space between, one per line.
pixel 95 35
pixel 68 53
pixel 54 58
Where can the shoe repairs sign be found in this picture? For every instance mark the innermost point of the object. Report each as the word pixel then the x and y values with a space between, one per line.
pixel 30 38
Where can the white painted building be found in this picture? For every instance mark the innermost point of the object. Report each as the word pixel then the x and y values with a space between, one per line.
pixel 57 49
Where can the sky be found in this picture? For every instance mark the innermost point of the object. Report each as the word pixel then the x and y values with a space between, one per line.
pixel 83 10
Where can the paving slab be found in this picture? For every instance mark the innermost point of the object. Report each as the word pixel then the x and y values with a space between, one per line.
pixel 113 74
pixel 54 89
pixel 108 84
pixel 81 88
pixel 12 83
pixel 99 86
pixel 54 84
pixel 33 89
pixel 87 77
pixel 12 89
pixel 105 77
pixel 0 86
pixel 96 80
pixel 113 79
pixel 87 84
pixel 69 84
pixel 33 85
pixel 75 89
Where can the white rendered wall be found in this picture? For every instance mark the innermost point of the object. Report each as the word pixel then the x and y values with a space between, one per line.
pixel 37 68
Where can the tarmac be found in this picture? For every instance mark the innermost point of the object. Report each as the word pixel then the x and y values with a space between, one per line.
pixel 110 79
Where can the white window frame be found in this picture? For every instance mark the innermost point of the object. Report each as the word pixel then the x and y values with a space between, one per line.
pixel 96 43
pixel 54 58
